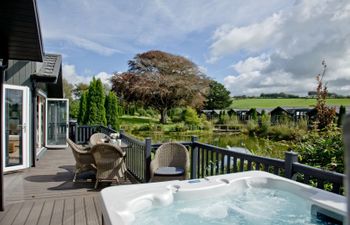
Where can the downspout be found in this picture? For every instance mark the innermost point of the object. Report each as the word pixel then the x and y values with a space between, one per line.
pixel 34 125
pixel 3 67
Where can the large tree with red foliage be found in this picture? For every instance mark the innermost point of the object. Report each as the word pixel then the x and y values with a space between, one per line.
pixel 161 80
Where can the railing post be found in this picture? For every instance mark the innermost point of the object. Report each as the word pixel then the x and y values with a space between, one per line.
pixel 194 157
pixel 76 133
pixel 290 158
pixel 346 139
pixel 148 149
pixel 121 133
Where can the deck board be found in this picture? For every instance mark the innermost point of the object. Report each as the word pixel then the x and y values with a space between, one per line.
pixel 46 194
pixel 35 213
pixel 80 218
pixel 90 210
pixel 11 215
pixel 27 207
pixel 68 213
pixel 46 214
pixel 57 214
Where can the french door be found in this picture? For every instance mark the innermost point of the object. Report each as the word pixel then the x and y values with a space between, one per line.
pixel 57 114
pixel 16 127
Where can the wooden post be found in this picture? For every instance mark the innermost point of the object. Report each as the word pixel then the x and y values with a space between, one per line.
pixel 290 158
pixel 148 142
pixel 346 138
pixel 194 157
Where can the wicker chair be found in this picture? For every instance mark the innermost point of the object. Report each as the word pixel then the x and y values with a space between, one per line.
pixel 83 159
pixel 170 155
pixel 109 161
pixel 96 138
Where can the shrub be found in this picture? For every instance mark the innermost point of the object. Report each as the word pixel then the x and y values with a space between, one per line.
pixel 252 127
pixel 141 112
pixel 302 124
pixel 191 116
pixel 224 119
pixel 151 113
pixel 323 149
pixel 179 127
pixel 254 114
pixel 265 125
pixel 176 115
pixel 207 125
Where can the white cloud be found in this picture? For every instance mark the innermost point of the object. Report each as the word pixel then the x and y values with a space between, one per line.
pixel 70 74
pixel 125 25
pixel 91 45
pixel 284 51
pixel 251 38
pixel 252 64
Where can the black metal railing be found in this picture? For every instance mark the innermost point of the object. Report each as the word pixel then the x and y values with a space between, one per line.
pixel 208 160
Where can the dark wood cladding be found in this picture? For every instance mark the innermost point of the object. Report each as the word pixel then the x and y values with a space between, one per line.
pixel 20 35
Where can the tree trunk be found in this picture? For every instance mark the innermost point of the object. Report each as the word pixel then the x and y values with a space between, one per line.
pixel 163 115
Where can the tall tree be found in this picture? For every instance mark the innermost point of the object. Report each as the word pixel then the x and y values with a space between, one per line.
pixel 95 113
pixel 161 80
pixel 111 105
pixel 79 89
pixel 218 97
pixel 325 114
pixel 82 108
pixel 74 108
pixel 67 89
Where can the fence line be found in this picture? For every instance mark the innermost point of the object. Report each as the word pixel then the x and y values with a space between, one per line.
pixel 208 160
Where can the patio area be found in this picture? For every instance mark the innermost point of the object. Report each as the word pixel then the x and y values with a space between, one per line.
pixel 46 194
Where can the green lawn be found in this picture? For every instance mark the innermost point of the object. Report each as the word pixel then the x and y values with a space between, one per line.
pixel 284 102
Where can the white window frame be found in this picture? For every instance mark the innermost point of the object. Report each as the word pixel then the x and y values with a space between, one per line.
pixel 25 123
pixel 46 129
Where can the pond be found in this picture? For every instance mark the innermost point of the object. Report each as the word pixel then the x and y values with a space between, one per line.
pixel 258 146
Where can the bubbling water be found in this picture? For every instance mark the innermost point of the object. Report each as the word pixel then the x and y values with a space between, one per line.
pixel 252 206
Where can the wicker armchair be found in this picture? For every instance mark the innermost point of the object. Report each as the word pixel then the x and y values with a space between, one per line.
pixel 170 155
pixel 96 138
pixel 83 159
pixel 109 161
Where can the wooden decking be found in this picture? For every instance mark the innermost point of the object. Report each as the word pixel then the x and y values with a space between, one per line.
pixel 46 194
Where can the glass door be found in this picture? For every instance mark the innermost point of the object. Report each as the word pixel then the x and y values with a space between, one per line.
pixel 15 120
pixel 56 123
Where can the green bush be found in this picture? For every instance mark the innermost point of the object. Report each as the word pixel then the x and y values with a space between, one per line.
pixel 265 125
pixel 224 119
pixel 141 112
pixel 302 124
pixel 151 113
pixel 191 117
pixel 176 115
pixel 323 149
pixel 179 127
pixel 252 127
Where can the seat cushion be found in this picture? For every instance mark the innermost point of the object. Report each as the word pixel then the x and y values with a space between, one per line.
pixel 169 171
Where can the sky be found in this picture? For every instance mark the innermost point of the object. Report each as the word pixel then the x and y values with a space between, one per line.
pixel 250 46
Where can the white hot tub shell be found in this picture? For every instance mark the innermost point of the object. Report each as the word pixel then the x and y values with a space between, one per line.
pixel 120 204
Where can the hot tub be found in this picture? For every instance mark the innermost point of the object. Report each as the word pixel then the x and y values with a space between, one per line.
pixel 252 197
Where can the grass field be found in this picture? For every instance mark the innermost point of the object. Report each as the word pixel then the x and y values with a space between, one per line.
pixel 284 102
